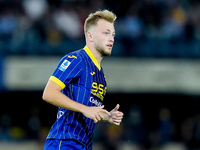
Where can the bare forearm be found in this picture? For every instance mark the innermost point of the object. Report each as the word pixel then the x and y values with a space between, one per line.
pixel 55 97
pixel 60 100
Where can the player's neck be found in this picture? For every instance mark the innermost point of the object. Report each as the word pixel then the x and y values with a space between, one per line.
pixel 96 54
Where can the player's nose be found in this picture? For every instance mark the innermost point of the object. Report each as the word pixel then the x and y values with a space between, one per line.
pixel 111 38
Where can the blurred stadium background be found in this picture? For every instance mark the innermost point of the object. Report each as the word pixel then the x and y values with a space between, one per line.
pixel 153 73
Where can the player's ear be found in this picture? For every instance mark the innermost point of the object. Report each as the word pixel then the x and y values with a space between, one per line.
pixel 90 36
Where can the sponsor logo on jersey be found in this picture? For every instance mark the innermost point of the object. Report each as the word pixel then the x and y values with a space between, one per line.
pixel 95 102
pixel 64 65
pixel 72 56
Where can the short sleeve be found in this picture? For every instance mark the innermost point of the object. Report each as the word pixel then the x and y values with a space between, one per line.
pixel 68 70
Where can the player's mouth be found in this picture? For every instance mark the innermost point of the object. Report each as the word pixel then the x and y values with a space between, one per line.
pixel 110 45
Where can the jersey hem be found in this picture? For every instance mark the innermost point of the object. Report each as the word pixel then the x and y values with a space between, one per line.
pixel 68 139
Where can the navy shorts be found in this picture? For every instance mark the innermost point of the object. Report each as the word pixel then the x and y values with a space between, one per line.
pixel 63 145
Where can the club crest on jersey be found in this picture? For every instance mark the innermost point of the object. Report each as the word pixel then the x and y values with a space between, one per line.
pixel 64 65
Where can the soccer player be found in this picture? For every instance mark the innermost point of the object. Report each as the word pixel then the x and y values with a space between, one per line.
pixel 78 86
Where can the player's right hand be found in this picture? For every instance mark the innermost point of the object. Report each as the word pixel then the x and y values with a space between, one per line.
pixel 95 113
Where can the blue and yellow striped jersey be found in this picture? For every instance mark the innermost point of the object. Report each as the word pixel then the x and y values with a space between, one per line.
pixel 82 80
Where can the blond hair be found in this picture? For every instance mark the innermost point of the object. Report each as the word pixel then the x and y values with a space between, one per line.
pixel 93 18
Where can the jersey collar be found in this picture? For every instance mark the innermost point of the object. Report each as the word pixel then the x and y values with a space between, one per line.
pixel 88 51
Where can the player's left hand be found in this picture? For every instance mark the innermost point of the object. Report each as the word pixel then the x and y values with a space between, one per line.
pixel 116 116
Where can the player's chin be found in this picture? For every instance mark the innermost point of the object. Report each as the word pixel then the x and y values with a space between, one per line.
pixel 107 52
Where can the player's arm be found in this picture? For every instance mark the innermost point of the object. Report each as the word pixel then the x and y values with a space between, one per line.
pixel 52 94
pixel 115 117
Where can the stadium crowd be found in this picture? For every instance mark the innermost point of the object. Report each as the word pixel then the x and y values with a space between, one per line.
pixel 152 28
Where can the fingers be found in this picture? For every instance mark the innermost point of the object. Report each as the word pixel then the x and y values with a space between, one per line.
pixel 100 114
pixel 106 112
pixel 116 107
pixel 97 118
pixel 118 114
pixel 117 121
pixel 117 118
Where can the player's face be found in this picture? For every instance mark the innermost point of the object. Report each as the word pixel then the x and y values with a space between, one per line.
pixel 104 37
